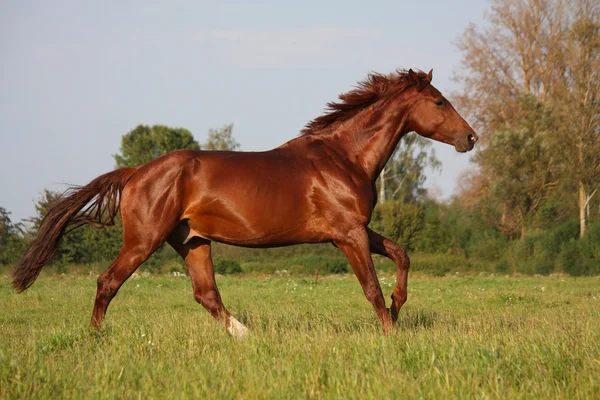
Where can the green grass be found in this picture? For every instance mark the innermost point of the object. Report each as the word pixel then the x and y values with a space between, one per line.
pixel 459 337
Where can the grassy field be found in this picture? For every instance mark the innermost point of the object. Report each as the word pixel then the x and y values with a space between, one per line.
pixel 460 337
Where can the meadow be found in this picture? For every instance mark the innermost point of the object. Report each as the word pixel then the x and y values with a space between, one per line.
pixel 459 336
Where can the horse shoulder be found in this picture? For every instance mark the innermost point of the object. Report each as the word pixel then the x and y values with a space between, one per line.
pixel 341 191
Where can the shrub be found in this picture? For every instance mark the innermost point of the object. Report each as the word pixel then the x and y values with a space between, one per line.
pixel 436 235
pixel 553 240
pixel 502 267
pixel 226 267
pixel 574 263
pixel 489 246
pixel 543 267
pixel 398 221
pixel 590 243
pixel 336 266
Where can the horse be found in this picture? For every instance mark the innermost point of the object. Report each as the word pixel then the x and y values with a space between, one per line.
pixel 318 187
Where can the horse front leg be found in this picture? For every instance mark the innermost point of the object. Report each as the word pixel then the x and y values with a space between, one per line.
pixel 385 247
pixel 355 246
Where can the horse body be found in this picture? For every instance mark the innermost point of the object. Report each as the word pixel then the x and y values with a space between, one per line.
pixel 319 187
pixel 302 196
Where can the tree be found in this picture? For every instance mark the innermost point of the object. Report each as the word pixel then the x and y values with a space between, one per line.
pixel 549 49
pixel 42 205
pixel 12 241
pixel 145 143
pixel 580 106
pixel 521 158
pixel 404 174
pixel 520 51
pixel 221 139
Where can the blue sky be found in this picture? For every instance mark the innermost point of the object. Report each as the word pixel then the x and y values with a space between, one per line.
pixel 76 75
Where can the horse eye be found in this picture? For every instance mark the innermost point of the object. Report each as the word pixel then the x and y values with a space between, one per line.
pixel 439 103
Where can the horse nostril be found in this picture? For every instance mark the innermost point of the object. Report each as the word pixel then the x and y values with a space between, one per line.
pixel 472 138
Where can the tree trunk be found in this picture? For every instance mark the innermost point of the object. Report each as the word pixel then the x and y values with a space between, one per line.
pixel 382 187
pixel 581 209
pixel 588 200
pixel 587 208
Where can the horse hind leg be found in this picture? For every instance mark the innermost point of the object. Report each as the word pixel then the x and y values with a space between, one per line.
pixel 197 255
pixel 143 233
pixel 129 259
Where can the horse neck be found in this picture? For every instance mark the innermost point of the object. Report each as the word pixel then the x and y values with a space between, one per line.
pixel 371 137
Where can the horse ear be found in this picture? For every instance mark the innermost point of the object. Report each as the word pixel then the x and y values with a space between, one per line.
pixel 430 75
pixel 413 78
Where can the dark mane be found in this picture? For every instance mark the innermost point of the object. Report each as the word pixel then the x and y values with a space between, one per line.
pixel 369 91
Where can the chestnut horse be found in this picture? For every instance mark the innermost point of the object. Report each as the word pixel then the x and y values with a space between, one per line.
pixel 318 187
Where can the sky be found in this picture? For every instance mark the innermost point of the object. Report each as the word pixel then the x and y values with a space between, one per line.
pixel 77 75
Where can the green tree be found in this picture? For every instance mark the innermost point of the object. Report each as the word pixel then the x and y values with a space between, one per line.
pixel 145 143
pixel 579 104
pixel 12 240
pixel 522 159
pixel 549 49
pixel 221 139
pixel 42 205
pixel 403 176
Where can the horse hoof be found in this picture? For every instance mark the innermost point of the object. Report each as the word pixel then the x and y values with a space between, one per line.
pixel 236 328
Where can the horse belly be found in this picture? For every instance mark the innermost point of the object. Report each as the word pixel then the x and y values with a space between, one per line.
pixel 255 221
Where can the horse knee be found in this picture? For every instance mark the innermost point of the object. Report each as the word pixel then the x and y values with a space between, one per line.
pixel 400 257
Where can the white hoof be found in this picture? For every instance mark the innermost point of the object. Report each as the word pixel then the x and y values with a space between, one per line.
pixel 236 328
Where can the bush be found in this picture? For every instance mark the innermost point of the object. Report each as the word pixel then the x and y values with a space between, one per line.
pixel 590 244
pixel 398 221
pixel 436 236
pixel 226 267
pixel 488 246
pixel 552 241
pixel 543 267
pixel 502 267
pixel 165 255
pixel 574 262
pixel 336 266
pixel 539 254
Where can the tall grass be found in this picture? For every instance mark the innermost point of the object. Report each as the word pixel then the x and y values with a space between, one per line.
pixel 474 336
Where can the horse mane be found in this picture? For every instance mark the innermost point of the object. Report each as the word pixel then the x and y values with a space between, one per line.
pixel 367 92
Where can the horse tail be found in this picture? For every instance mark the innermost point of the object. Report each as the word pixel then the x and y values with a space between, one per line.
pixel 96 204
